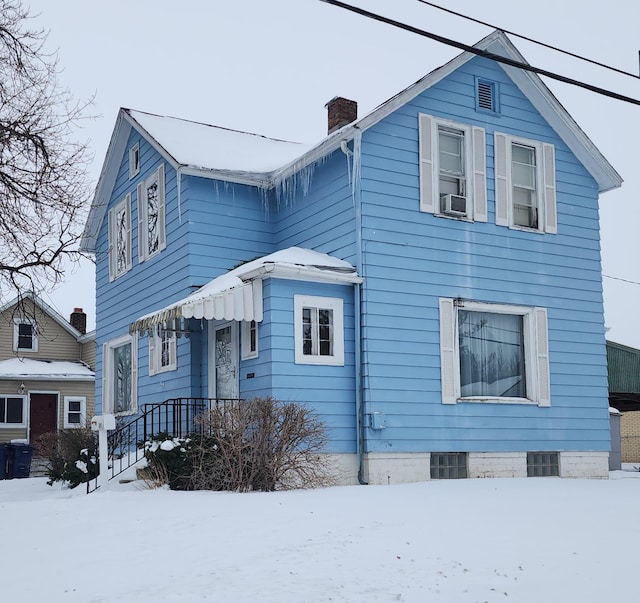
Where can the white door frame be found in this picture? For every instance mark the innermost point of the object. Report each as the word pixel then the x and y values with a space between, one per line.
pixel 211 356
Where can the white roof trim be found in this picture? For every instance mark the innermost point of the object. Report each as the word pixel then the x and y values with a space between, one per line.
pixel 237 295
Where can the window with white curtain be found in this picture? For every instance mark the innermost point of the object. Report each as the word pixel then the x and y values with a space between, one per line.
pixel 493 353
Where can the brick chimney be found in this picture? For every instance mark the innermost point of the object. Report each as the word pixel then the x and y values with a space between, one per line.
pixel 341 111
pixel 78 320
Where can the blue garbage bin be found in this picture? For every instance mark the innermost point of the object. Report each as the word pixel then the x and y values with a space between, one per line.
pixel 19 464
pixel 4 459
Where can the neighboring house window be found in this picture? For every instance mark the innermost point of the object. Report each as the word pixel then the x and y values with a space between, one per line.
pixel 249 339
pixel 12 411
pixel 134 160
pixel 75 411
pixel 120 375
pixel 120 238
pixel 493 353
pixel 452 169
pixel 151 221
pixel 525 184
pixel 319 330
pixel 25 335
pixel 162 352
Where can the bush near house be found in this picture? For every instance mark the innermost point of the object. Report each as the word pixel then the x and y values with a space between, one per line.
pixel 261 444
pixel 71 454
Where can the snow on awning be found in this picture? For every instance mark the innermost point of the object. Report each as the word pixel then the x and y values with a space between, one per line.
pixel 237 295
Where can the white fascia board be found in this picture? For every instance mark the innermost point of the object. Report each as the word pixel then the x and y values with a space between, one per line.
pixel 301 273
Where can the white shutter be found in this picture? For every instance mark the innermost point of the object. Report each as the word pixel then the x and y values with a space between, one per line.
pixel 542 353
pixel 502 179
pixel 152 352
pixel 426 132
pixel 162 237
pixel 134 372
pixel 129 235
pixel 112 245
pixel 550 210
pixel 106 367
pixel 479 176
pixel 142 229
pixel 447 351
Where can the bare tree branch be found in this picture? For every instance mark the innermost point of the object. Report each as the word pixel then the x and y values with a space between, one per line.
pixel 44 186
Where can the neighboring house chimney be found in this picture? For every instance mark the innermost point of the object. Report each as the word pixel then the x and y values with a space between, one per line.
pixel 78 320
pixel 341 111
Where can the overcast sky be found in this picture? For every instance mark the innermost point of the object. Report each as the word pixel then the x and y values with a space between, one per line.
pixel 270 67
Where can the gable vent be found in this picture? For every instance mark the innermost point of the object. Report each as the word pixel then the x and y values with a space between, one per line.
pixel 485 96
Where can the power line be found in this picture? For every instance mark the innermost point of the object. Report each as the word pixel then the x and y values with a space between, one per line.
pixel 522 37
pixel 624 280
pixel 484 53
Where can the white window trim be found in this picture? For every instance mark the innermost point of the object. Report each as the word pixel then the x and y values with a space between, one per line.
pixel 536 352
pixel 325 303
pixel 475 167
pixel 4 425
pixel 83 411
pixel 113 212
pixel 143 232
pixel 134 160
pixel 107 383
pixel 155 354
pixel 245 334
pixel 545 183
pixel 16 333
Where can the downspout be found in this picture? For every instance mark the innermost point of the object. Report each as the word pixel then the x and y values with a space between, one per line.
pixel 179 189
pixel 356 193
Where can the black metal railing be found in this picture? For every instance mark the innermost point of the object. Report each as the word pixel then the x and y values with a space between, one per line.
pixel 175 417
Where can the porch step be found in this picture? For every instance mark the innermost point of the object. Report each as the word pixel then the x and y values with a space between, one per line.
pixel 39 466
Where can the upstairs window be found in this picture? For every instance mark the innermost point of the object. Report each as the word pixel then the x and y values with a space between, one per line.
pixel 120 258
pixel 319 331
pixel 151 217
pixel 25 335
pixel 134 160
pixel 525 184
pixel 452 169
pixel 493 353
pixel 162 352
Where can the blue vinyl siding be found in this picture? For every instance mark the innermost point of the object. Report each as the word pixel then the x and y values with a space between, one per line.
pixel 323 219
pixel 411 259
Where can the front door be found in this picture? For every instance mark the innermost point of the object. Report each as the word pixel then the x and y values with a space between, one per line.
pixel 223 361
pixel 43 414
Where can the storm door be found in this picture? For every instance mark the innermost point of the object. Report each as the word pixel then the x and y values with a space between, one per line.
pixel 223 361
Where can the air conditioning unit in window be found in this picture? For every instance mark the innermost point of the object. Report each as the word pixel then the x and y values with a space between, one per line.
pixel 454 205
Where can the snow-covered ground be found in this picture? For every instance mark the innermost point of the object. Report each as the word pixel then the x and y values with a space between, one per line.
pixel 457 541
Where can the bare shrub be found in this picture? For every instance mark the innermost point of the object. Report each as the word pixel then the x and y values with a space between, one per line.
pixel 261 444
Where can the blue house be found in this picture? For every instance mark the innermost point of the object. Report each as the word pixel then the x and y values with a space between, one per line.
pixel 427 277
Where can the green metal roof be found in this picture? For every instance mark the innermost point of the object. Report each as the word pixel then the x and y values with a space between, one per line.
pixel 623 364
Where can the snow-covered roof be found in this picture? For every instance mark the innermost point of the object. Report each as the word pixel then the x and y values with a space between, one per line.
pixel 235 156
pixel 237 294
pixel 35 369
pixel 203 146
